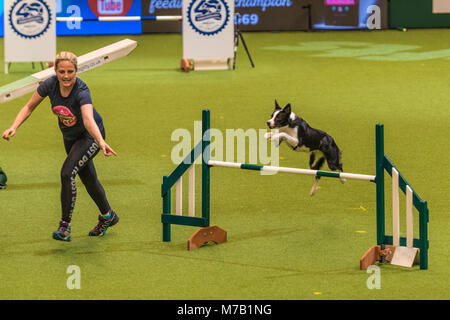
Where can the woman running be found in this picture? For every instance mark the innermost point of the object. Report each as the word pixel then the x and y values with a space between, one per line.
pixel 83 135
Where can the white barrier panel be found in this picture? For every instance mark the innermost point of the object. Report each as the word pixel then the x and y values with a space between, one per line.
pixel 191 171
pixel 208 33
pixel 395 210
pixel 179 188
pixel 86 62
pixel 403 255
pixel 30 32
pixel 409 218
pixel 441 6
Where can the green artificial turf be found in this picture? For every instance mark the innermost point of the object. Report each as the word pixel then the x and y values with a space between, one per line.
pixel 282 243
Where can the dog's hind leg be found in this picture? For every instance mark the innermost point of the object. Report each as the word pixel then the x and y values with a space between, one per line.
pixel 312 159
pixel 339 167
pixel 314 187
pixel 316 161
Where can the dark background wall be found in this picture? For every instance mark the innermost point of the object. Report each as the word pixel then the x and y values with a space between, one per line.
pixel 415 14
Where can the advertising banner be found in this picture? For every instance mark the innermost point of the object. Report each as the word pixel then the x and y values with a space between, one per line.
pixel 282 15
pixel 257 15
pixel 161 8
pixel 250 15
pixel 91 9
pixel 271 15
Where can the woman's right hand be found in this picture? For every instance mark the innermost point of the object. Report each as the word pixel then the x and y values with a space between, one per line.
pixel 107 150
pixel 8 133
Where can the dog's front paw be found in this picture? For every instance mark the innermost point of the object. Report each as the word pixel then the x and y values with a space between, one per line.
pixel 268 135
pixel 276 141
pixel 274 137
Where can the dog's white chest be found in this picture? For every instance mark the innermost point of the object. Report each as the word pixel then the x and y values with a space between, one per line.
pixel 291 138
pixel 292 132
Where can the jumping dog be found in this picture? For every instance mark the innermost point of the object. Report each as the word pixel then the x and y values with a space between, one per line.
pixel 301 137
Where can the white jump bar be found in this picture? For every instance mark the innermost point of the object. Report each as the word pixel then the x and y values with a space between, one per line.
pixel 309 172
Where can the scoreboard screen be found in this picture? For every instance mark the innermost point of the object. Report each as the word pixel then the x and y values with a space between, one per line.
pixel 342 13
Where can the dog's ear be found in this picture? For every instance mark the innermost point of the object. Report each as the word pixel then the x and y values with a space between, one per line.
pixel 277 106
pixel 287 109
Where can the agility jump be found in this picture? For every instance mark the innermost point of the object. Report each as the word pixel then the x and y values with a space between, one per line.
pixel 391 248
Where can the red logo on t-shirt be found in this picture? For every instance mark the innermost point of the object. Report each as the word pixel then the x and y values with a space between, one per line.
pixel 65 115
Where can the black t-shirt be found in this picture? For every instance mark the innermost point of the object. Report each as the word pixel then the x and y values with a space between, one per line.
pixel 68 110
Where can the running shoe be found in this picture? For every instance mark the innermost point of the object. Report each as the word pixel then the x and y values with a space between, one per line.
pixel 63 232
pixel 104 222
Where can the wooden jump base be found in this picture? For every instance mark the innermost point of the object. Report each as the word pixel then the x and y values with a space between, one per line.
pixel 376 253
pixel 402 251
pixel 205 235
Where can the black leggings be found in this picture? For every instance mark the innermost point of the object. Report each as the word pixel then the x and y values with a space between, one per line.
pixel 80 154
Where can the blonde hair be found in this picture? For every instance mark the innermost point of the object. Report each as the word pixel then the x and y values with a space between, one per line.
pixel 66 56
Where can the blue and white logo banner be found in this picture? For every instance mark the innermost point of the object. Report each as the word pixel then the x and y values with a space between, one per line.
pixel 208 29
pixel 30 33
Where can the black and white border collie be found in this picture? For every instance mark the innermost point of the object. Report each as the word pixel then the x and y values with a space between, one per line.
pixel 301 137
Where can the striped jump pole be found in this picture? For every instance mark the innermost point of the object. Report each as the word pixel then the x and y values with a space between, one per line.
pixel 308 172
pixel 120 18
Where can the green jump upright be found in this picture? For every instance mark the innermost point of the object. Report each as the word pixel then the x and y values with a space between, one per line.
pixel 379 162
pixel 383 163
pixel 201 149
